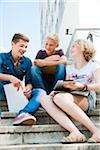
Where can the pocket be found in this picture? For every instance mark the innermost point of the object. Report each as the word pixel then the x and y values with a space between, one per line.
pixel 22 71
pixel 5 68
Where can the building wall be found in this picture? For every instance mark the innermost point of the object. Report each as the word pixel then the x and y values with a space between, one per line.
pixel 69 22
pixel 51 17
pixel 56 17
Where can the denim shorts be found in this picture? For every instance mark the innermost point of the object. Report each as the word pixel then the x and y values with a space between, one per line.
pixel 92 101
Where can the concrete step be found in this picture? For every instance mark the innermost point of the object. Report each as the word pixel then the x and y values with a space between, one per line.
pixel 98 104
pixel 41 115
pixel 36 134
pixel 3 104
pixel 81 146
pixel 43 118
pixel 46 135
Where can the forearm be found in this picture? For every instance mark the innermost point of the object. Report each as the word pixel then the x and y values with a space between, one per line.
pixel 43 63
pixel 50 62
pixel 53 63
pixel 94 87
pixel 91 87
pixel 53 58
pixel 5 77
pixel 80 86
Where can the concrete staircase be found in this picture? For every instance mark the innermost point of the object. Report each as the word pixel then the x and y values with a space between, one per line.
pixel 45 135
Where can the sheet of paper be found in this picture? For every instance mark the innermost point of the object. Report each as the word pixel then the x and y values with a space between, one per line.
pixel 15 99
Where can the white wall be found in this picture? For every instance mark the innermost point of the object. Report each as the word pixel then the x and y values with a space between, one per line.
pixel 89 11
pixel 70 20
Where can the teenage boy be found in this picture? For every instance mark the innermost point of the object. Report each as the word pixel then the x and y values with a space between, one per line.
pixel 49 65
pixel 13 68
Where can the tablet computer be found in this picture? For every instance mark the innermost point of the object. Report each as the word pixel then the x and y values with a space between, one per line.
pixel 59 86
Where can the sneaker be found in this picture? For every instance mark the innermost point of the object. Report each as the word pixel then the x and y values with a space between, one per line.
pixel 24 119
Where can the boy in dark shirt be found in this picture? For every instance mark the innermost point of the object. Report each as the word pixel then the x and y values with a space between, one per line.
pixel 49 65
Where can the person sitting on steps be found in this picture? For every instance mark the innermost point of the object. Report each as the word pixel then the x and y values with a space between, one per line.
pixel 85 74
pixel 14 67
pixel 49 65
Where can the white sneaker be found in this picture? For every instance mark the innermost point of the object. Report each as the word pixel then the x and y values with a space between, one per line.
pixel 24 119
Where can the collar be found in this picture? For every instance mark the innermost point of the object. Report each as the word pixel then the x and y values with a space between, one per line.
pixel 11 57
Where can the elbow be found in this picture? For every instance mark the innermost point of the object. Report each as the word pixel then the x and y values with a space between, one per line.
pixel 97 89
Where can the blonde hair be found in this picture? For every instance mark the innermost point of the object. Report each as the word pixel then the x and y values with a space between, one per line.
pixel 53 37
pixel 87 48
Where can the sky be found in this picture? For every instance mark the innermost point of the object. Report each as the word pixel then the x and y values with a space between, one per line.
pixel 24 16
pixel 20 16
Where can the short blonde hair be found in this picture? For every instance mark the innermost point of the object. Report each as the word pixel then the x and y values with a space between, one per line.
pixel 87 48
pixel 53 37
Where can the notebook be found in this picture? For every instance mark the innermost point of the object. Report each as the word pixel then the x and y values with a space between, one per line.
pixel 15 99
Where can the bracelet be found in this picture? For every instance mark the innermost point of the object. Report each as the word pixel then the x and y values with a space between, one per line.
pixel 85 88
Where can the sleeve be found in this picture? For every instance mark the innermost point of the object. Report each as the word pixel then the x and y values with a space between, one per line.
pixel 28 78
pixel 60 52
pixel 39 54
pixel 95 65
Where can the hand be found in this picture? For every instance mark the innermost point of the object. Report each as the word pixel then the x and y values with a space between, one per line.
pixel 27 92
pixel 16 82
pixel 39 62
pixel 53 93
pixel 73 85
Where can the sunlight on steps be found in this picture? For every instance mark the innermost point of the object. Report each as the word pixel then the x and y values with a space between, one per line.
pixel 45 135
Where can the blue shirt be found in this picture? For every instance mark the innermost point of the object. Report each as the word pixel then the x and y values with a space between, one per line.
pixel 7 67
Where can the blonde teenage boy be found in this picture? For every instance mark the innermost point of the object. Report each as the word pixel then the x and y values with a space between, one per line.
pixel 49 65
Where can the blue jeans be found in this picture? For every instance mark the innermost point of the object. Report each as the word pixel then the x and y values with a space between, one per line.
pixel 47 82
pixel 2 93
pixel 34 101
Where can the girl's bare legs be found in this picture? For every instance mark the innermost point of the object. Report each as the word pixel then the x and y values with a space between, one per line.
pixel 57 114
pixel 66 102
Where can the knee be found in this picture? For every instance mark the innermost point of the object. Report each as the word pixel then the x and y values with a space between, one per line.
pixel 61 66
pixel 35 70
pixel 39 91
pixel 57 98
pixel 44 100
pixel 42 92
pixel 61 98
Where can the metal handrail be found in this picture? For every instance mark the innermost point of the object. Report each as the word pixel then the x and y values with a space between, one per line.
pixel 91 31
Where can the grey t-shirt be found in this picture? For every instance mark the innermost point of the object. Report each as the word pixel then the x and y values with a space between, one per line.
pixel 84 75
